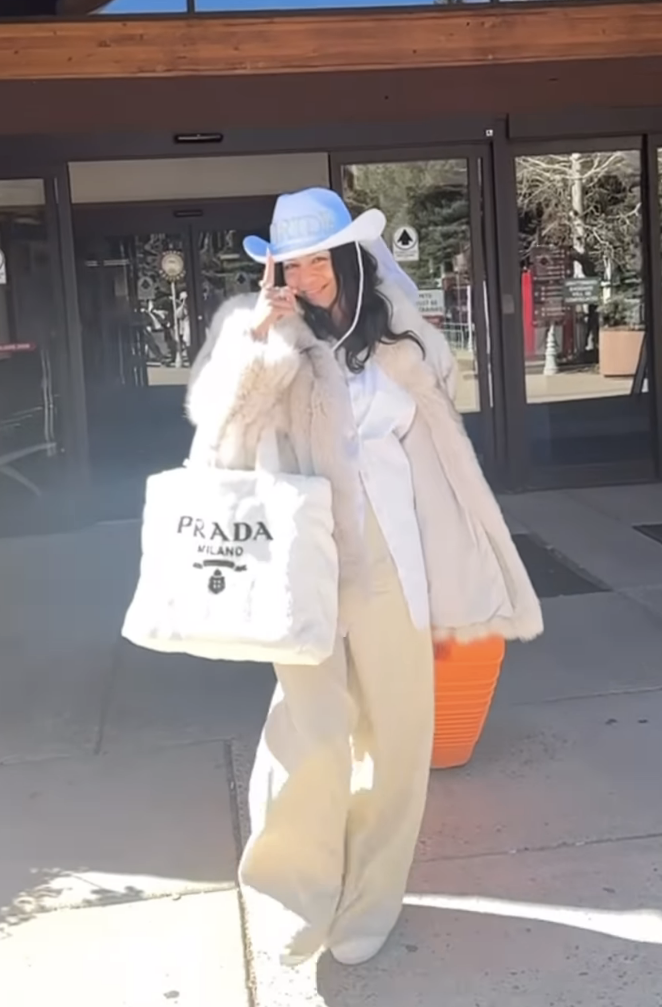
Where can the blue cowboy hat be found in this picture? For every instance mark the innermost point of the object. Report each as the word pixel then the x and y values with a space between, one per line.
pixel 313 220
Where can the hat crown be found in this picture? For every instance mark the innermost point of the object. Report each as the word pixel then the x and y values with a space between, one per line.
pixel 305 219
pixel 311 220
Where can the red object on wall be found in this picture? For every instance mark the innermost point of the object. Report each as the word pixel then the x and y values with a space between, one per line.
pixel 17 347
pixel 527 314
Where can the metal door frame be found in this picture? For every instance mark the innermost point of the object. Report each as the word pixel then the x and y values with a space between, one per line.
pixel 652 264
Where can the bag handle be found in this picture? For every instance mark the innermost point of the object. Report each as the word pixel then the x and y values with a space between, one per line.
pixel 267 455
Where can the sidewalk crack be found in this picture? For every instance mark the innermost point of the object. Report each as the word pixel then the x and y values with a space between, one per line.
pixel 550 848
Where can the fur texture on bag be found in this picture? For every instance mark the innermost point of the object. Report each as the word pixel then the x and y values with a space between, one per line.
pixel 292 384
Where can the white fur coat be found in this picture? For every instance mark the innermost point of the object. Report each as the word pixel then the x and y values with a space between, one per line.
pixel 292 384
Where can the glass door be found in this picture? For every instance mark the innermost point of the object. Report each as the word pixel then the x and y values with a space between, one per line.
pixel 433 208
pixel 584 321
pixel 137 344
pixel 150 278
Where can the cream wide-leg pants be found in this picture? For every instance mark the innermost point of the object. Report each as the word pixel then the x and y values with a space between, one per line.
pixel 339 784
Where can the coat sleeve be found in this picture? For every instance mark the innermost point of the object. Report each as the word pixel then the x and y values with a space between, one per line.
pixel 237 380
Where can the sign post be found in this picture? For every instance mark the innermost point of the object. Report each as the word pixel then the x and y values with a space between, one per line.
pixel 582 290
pixel 146 289
pixel 405 244
pixel 173 268
pixel 548 269
pixel 432 301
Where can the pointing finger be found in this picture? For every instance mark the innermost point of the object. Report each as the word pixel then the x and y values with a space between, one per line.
pixel 269 271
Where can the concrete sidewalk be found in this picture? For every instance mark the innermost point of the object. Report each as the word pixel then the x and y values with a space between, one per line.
pixel 538 878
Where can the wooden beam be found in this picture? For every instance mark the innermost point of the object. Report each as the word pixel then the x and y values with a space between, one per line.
pixel 280 104
pixel 106 47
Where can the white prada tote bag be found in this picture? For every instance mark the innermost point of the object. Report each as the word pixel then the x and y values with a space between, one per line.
pixel 237 566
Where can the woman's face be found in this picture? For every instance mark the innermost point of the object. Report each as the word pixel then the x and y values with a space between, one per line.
pixel 312 277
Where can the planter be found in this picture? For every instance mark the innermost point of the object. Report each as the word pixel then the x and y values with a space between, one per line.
pixel 619 352
pixel 466 675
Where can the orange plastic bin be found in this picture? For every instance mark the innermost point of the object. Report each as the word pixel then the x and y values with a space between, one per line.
pixel 466 675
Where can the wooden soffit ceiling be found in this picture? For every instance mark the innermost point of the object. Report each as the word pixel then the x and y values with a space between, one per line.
pixel 108 47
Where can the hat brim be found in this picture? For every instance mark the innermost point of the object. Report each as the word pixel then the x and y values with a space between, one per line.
pixel 368 226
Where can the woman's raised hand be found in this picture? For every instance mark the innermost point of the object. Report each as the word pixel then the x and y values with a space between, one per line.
pixel 273 304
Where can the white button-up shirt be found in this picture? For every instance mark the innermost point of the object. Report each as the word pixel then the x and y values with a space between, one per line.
pixel 384 413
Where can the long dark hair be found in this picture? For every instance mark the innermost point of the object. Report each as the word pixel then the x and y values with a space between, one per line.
pixel 374 323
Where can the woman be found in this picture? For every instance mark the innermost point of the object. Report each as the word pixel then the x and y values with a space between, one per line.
pixel 334 359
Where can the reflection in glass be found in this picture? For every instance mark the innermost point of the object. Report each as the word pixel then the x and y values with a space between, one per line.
pixel 143 7
pixel 121 7
pixel 306 5
pixel 583 307
pixel 429 201
pixel 30 366
pixel 225 268
pixel 134 311
pixel 134 300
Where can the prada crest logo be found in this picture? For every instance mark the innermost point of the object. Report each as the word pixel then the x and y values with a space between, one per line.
pixel 217 581
pixel 224 547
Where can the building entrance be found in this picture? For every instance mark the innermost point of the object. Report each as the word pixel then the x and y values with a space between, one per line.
pixel 149 281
